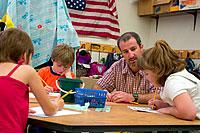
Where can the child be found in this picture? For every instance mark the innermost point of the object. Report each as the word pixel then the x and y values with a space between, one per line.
pixel 16 76
pixel 181 90
pixel 63 58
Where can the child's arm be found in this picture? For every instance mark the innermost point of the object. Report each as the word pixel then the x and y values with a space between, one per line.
pixel 36 86
pixel 183 108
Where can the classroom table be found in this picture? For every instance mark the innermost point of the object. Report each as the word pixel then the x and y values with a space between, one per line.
pixel 120 118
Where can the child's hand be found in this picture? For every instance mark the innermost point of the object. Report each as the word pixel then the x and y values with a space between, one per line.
pixel 60 104
pixel 68 74
pixel 31 111
pixel 48 89
pixel 152 104
pixel 156 104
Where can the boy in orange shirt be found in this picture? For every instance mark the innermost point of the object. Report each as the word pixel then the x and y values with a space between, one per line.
pixel 62 58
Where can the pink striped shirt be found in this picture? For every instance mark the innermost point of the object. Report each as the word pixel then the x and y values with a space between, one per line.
pixel 119 77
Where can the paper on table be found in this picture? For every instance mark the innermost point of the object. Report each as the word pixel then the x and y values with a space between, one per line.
pixel 31 95
pixel 143 109
pixel 77 106
pixel 40 113
pixel 52 96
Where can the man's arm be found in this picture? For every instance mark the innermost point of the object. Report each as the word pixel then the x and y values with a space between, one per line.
pixel 119 96
pixel 144 98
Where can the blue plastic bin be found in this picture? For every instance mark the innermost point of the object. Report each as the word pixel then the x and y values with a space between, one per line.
pixel 96 98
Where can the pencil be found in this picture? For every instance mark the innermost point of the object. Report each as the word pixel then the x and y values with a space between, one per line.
pixel 43 81
pixel 154 97
pixel 66 94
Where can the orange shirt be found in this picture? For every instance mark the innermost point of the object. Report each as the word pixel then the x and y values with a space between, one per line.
pixel 50 77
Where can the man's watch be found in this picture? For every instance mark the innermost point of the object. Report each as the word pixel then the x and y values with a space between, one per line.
pixel 135 95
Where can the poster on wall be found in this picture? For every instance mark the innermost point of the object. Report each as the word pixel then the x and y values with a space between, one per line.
pixel 189 4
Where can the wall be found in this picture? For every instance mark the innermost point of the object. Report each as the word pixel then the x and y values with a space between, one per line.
pixel 128 21
pixel 176 30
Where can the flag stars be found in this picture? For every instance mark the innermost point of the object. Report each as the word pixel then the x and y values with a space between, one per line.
pixel 76 4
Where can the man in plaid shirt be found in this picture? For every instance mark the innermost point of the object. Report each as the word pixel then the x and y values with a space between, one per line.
pixel 123 80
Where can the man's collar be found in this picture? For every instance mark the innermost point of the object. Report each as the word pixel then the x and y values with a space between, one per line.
pixel 51 69
pixel 127 70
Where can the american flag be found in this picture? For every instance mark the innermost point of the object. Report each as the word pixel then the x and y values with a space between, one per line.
pixel 94 17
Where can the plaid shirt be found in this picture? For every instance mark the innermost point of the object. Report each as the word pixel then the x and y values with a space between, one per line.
pixel 119 77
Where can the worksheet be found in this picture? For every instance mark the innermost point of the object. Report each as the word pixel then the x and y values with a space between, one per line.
pixel 143 109
pixel 40 113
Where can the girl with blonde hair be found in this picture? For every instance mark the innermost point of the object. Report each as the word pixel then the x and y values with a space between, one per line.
pixel 181 90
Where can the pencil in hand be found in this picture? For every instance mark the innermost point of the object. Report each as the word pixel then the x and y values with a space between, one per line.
pixel 43 81
pixel 154 98
pixel 47 87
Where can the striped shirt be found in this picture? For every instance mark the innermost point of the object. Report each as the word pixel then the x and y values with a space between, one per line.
pixel 120 77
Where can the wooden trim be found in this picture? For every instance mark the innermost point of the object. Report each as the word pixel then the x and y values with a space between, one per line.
pixel 194 54
pixel 104 48
pixel 108 48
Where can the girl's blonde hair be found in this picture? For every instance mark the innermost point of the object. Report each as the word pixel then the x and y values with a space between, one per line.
pixel 162 60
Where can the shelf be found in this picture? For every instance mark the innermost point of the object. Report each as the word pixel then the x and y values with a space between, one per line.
pixel 164 8
pixel 193 12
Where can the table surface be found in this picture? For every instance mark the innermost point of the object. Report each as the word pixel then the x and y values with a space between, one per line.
pixel 120 118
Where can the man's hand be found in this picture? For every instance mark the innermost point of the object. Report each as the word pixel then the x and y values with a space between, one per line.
pixel 120 96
